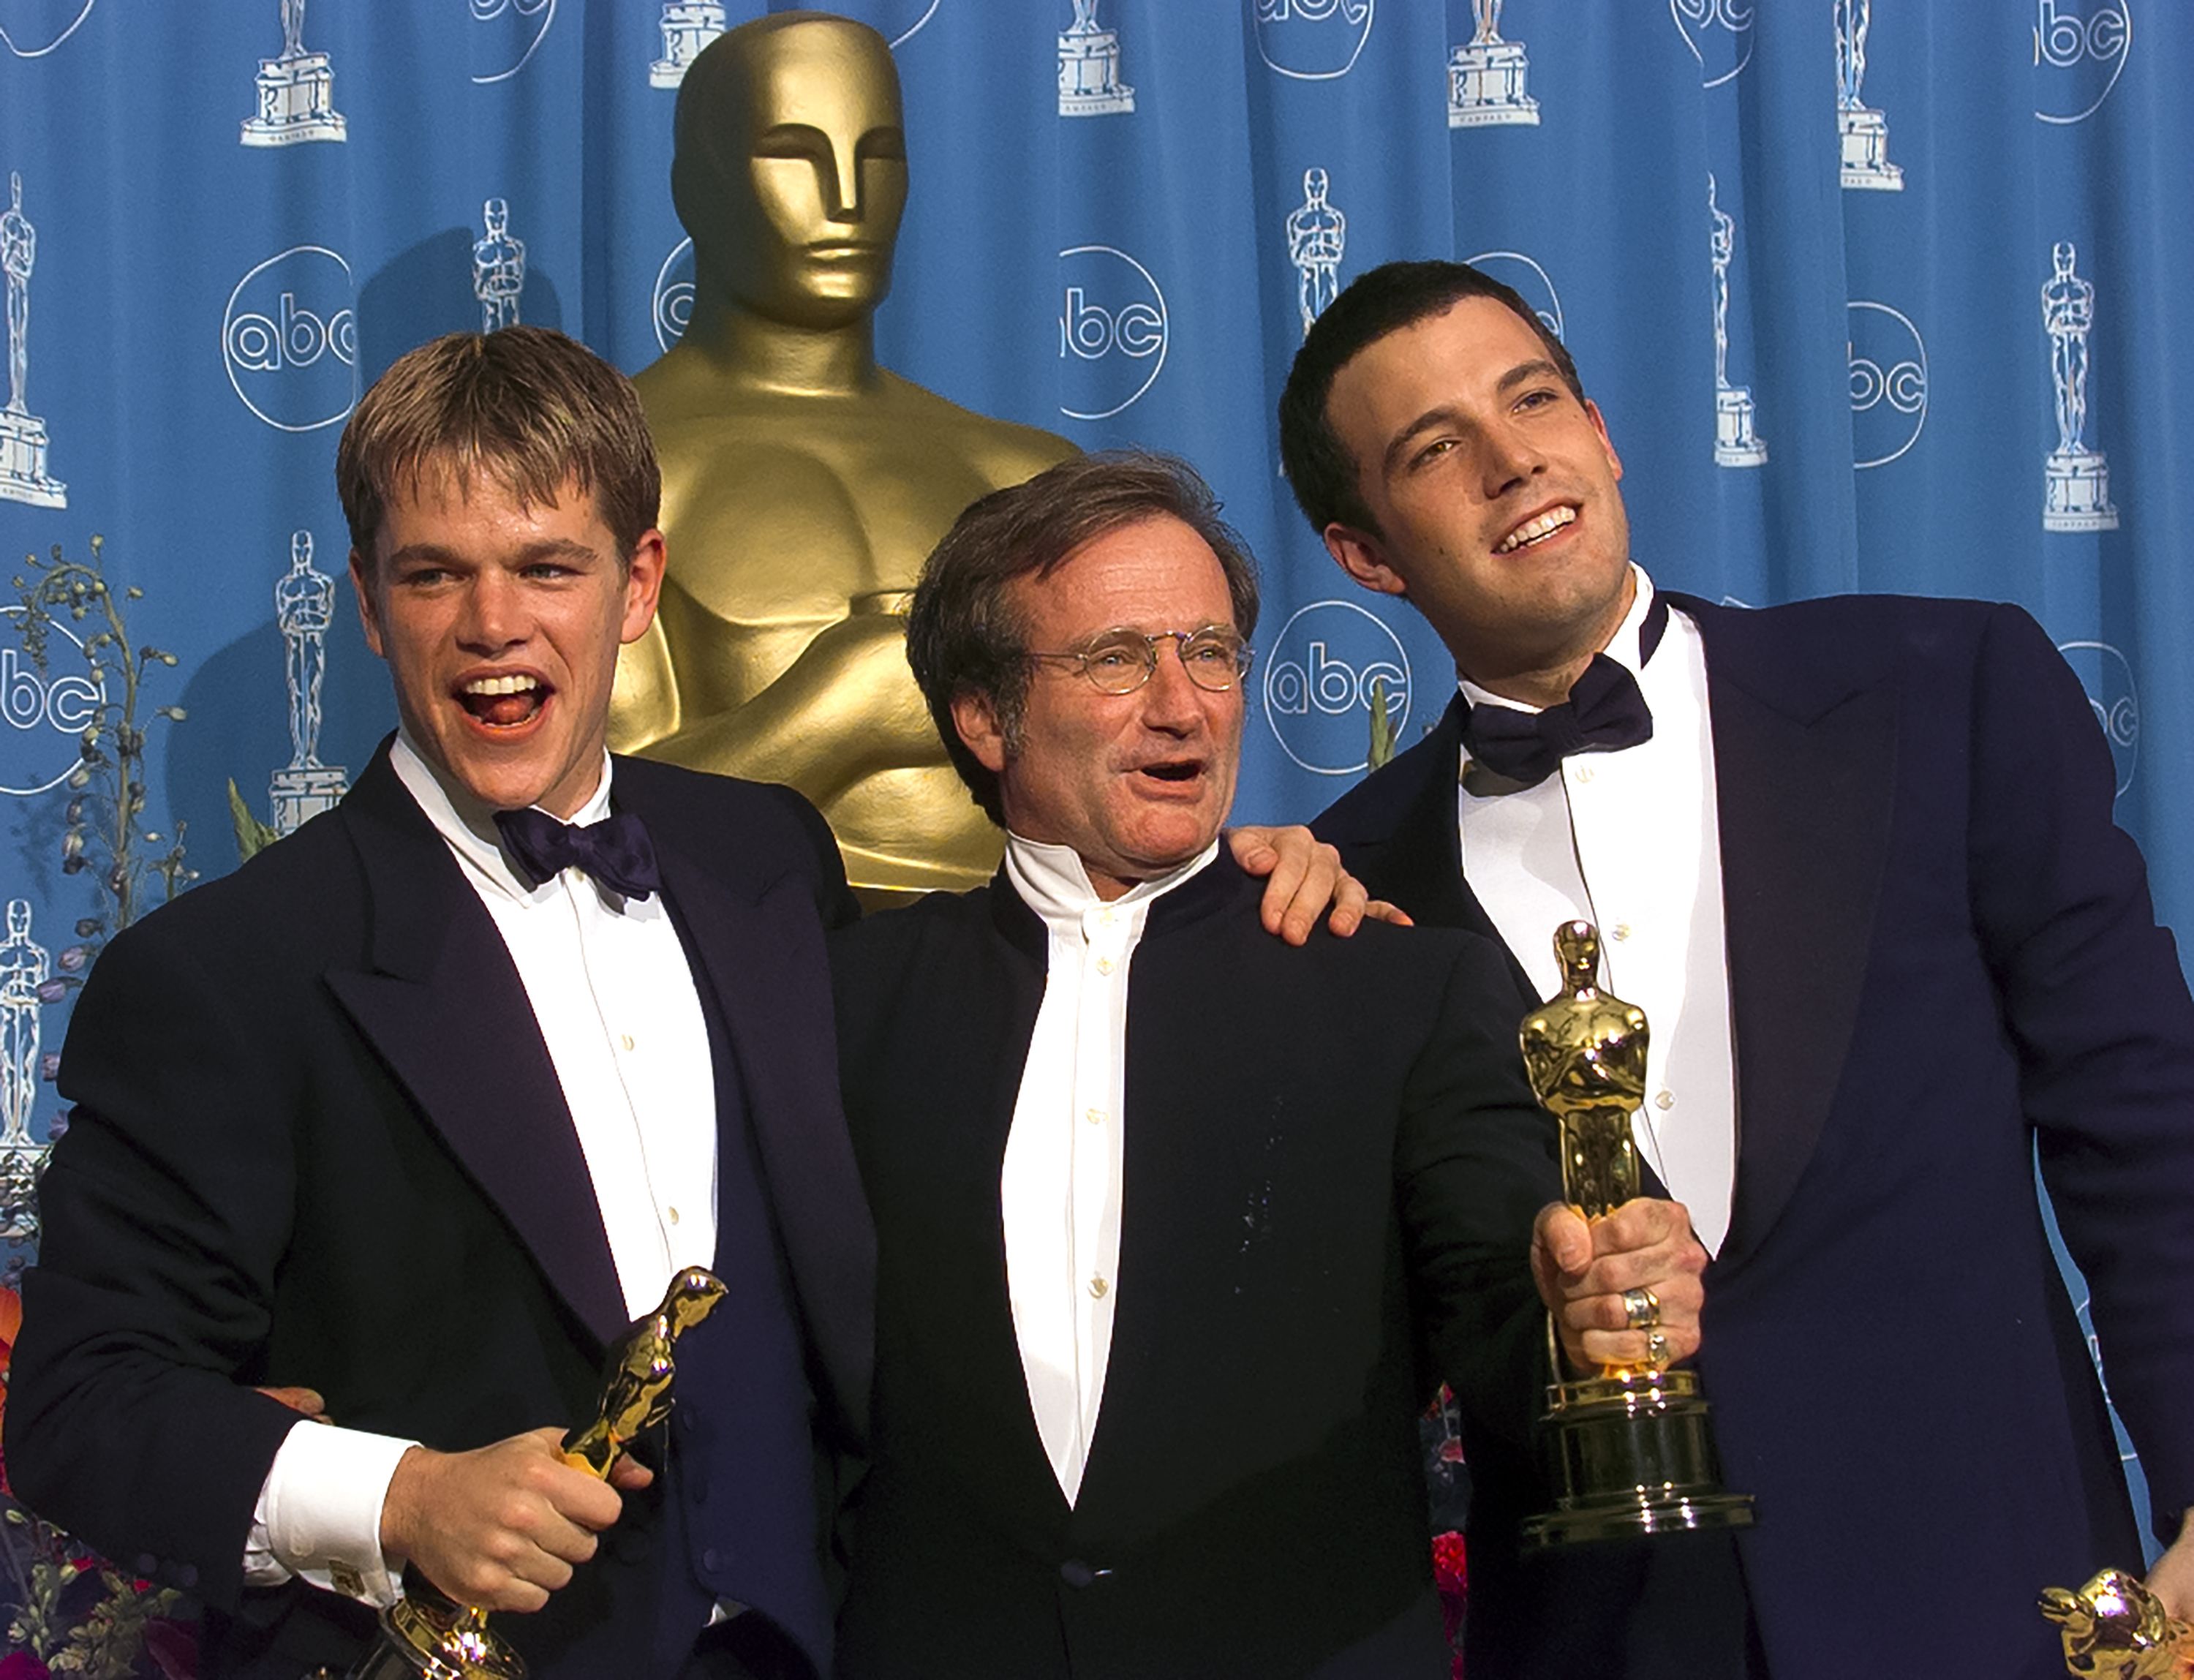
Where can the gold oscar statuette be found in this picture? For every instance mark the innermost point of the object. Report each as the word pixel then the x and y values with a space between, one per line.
pixel 423 1634
pixel 2116 1629
pixel 1629 1452
pixel 803 482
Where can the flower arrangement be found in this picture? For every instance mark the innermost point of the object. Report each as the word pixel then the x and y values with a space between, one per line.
pixel 70 1612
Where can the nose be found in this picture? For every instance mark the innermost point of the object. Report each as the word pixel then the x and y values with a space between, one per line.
pixel 841 183
pixel 1507 456
pixel 492 620
pixel 1172 701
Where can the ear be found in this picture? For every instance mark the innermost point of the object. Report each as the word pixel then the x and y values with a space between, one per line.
pixel 369 612
pixel 1592 413
pixel 1363 557
pixel 643 585
pixel 978 725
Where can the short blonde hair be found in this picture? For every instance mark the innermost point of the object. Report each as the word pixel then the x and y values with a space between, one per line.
pixel 536 411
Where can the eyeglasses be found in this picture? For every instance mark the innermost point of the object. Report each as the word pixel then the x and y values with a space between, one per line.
pixel 1120 661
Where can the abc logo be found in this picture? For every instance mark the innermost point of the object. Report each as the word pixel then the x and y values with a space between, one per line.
pixel 1888 383
pixel 514 42
pixel 900 18
pixel 1529 280
pixel 674 294
pixel 1112 331
pixel 1327 662
pixel 2108 679
pixel 1313 40
pixel 1718 34
pixel 45 714
pixel 290 337
pixel 2079 53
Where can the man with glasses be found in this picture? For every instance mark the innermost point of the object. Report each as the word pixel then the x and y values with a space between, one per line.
pixel 1158 1261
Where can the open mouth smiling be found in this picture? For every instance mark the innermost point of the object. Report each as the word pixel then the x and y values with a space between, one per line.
pixel 1537 529
pixel 503 702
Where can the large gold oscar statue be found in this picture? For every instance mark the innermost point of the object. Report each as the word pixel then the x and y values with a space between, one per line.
pixel 804 485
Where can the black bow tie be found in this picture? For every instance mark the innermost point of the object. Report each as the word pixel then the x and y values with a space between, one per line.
pixel 615 851
pixel 1604 713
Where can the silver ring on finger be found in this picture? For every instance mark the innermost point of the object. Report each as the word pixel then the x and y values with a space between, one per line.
pixel 1657 1349
pixel 1641 1308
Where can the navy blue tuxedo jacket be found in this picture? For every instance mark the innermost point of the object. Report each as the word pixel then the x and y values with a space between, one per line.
pixel 1331 1165
pixel 317 1140
pixel 1942 958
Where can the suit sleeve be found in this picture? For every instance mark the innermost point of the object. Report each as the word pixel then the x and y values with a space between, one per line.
pixel 166 1209
pixel 1476 1159
pixel 2097 1007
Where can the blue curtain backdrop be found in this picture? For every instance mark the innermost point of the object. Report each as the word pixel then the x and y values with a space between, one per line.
pixel 1883 296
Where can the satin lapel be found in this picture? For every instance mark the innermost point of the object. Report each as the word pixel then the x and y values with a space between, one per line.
pixel 1805 772
pixel 1423 861
pixel 1400 824
pixel 764 959
pixel 444 1008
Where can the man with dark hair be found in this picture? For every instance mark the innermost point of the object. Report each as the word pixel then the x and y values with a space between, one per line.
pixel 401 1124
pixel 1158 1256
pixel 1854 858
pixel 969 635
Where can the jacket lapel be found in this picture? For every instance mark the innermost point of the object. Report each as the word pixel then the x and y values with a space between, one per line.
pixel 1400 829
pixel 763 960
pixel 443 1006
pixel 1805 769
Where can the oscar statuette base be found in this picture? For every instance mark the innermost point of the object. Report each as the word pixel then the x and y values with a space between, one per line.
pixel 424 1637
pixel 1630 1453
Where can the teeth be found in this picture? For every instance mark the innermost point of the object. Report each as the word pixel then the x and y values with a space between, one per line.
pixel 1553 520
pixel 502 685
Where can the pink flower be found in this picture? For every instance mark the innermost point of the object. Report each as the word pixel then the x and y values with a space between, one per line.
pixel 21 1664
pixel 1451 1575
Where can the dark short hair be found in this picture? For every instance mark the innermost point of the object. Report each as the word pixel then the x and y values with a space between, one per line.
pixel 1395 294
pixel 536 411
pixel 964 634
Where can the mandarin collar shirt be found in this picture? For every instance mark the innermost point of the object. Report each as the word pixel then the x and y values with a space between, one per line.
pixel 1059 1187
pixel 1628 841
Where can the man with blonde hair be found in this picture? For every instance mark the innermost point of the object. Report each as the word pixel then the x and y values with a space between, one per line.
pixel 400 1125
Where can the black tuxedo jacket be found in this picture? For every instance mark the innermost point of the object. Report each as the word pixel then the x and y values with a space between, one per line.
pixel 317 1140
pixel 1331 1162
pixel 1943 959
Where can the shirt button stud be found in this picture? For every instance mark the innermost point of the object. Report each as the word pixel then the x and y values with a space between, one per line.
pixel 1098 1286
pixel 1665 1099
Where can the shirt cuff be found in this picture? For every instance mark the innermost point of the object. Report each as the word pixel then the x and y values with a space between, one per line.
pixel 319 1515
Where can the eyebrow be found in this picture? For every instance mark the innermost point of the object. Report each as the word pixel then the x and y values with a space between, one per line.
pixel 885 141
pixel 440 554
pixel 1538 367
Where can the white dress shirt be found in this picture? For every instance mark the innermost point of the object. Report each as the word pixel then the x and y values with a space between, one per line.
pixel 1059 1187
pixel 1629 841
pixel 614 997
